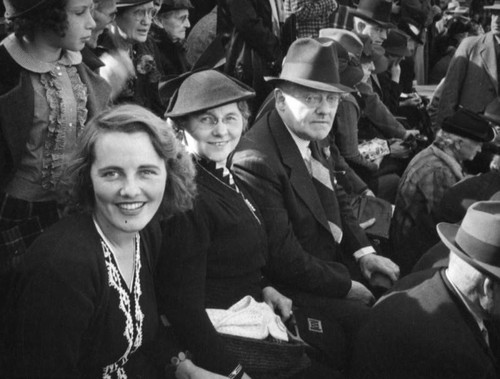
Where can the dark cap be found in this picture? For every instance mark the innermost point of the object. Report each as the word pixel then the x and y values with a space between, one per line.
pixel 396 43
pixel 375 11
pixel 468 124
pixel 174 5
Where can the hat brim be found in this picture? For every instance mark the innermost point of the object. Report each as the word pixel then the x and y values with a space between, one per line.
pixel 492 7
pixel 132 3
pixel 333 87
pixel 183 111
pixel 386 25
pixel 448 232
pixel 400 52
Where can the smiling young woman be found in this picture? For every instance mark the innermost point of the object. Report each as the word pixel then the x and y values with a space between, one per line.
pixel 84 304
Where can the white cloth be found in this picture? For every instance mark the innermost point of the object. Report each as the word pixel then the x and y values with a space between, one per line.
pixel 248 318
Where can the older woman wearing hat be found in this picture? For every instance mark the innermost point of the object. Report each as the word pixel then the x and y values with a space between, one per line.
pixel 429 174
pixel 169 33
pixel 130 34
pixel 213 255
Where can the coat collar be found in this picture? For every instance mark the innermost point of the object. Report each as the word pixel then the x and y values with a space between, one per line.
pixel 299 176
pixel 489 57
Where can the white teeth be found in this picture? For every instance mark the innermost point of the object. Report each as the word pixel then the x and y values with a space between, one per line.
pixel 219 143
pixel 130 206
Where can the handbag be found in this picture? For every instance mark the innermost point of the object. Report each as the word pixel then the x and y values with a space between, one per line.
pixel 269 358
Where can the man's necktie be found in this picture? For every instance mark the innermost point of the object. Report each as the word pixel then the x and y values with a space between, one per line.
pixel 322 182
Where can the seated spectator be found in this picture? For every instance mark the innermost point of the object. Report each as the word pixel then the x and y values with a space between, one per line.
pixel 84 304
pixel 441 323
pixel 445 47
pixel 311 227
pixel 311 15
pixel 214 254
pixel 169 34
pixel 130 34
pixel 429 174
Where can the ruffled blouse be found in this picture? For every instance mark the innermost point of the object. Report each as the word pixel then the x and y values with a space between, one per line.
pixel 60 100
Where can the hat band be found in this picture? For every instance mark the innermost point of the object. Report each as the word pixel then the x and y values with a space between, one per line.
pixel 477 249
pixel 303 71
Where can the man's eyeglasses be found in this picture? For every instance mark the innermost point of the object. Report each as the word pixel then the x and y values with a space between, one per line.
pixel 140 14
pixel 314 100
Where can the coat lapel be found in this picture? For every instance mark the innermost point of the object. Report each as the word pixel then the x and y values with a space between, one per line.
pixel 489 58
pixel 299 176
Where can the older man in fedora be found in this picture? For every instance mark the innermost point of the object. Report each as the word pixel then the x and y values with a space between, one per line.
pixel 310 224
pixel 441 323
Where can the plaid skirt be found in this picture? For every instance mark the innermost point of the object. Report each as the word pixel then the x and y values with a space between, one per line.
pixel 21 222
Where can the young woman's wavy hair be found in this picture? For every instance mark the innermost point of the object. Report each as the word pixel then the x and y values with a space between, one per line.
pixel 76 188
pixel 50 15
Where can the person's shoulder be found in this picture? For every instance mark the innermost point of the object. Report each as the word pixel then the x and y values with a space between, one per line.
pixel 68 239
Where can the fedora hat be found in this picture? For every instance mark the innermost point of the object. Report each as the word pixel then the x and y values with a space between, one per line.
pixel 17 8
pixel 173 5
pixel 349 40
pixel 494 7
pixel 130 3
pixel 476 240
pixel 201 90
pixel 396 43
pixel 350 71
pixel 375 11
pixel 470 125
pixel 492 111
pixel 312 64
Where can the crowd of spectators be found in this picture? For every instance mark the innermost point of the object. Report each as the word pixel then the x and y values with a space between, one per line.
pixel 188 187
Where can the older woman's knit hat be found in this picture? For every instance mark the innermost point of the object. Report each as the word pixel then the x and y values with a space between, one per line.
pixel 130 3
pixel 18 8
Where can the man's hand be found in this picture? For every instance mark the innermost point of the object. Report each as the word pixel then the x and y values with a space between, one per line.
pixel 411 132
pixel 360 292
pixel 372 263
pixel 278 302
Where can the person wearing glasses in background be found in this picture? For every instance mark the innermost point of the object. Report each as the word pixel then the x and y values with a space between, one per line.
pixel 129 37
pixel 169 33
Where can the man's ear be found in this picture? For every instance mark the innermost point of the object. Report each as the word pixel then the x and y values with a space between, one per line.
pixel 361 25
pixel 279 99
pixel 488 288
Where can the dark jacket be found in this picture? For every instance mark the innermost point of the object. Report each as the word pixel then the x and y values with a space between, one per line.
pixel 66 319
pixel 172 55
pixel 213 258
pixel 423 330
pixel 303 256
pixel 17 109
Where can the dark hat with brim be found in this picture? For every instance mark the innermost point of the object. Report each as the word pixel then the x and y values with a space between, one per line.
pixel 198 91
pixel 131 3
pixel 476 240
pixel 468 124
pixel 494 7
pixel 312 64
pixel 397 43
pixel 18 8
pixel 375 11
pixel 350 71
pixel 174 5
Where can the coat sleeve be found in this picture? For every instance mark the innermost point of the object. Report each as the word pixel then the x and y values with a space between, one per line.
pixel 54 307
pixel 252 26
pixel 181 278
pixel 379 114
pixel 288 262
pixel 453 82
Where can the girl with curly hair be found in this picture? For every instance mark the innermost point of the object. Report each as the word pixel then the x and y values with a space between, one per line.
pixel 46 97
